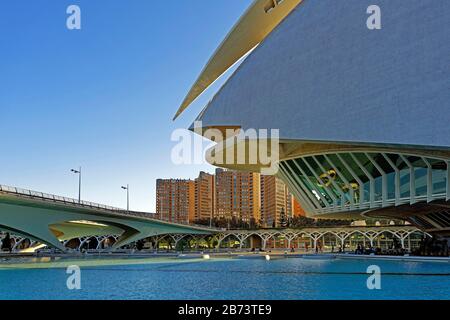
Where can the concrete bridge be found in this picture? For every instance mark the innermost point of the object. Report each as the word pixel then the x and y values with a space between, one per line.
pixel 304 239
pixel 383 237
pixel 51 220
pixel 37 220
pixel 375 236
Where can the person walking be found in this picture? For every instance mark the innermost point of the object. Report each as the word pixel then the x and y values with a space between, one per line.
pixel 6 243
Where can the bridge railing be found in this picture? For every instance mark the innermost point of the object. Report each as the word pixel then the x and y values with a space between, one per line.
pixel 87 204
pixel 55 198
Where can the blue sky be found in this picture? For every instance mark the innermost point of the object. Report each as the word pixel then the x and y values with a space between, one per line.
pixel 102 97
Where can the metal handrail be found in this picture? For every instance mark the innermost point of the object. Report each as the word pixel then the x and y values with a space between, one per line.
pixel 55 198
pixel 85 204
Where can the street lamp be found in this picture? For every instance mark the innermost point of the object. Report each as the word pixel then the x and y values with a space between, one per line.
pixel 79 182
pixel 210 219
pixel 128 195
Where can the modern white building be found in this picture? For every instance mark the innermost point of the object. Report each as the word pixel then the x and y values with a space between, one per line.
pixel 363 111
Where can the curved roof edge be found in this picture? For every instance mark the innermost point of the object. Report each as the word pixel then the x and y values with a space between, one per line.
pixel 253 27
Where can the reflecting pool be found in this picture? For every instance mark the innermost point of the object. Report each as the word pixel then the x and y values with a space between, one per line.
pixel 172 278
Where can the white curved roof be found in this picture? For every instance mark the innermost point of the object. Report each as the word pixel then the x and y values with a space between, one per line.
pixel 253 27
pixel 341 82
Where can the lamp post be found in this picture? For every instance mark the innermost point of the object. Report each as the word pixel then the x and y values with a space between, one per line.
pixel 128 195
pixel 79 182
pixel 210 219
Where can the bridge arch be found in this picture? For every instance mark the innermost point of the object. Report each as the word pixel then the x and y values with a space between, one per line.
pixel 90 243
pixel 21 244
pixel 227 237
pixel 107 242
pixel 73 244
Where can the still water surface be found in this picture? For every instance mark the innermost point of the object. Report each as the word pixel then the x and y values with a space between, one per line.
pixel 169 278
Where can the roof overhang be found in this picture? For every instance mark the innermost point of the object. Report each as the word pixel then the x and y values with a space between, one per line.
pixel 253 27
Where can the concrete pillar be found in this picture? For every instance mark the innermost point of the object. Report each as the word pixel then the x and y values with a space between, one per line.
pixel 196 242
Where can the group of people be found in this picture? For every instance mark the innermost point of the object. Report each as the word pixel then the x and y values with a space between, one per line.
pixel 395 249
pixel 433 247
pixel 6 243
pixel 362 250
pixel 367 251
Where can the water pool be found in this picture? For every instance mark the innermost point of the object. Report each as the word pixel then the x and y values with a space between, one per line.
pixel 229 279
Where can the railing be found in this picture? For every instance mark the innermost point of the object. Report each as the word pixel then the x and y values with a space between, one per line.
pixel 55 198
pixel 85 204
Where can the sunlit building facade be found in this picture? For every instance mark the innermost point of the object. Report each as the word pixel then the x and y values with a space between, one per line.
pixel 277 203
pixel 297 209
pixel 237 195
pixel 204 196
pixel 175 200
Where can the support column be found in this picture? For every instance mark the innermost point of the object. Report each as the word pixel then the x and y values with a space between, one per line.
pixel 128 237
pixel 220 238
pixel 264 239
pixel 177 238
pixel 241 242
pixel 197 240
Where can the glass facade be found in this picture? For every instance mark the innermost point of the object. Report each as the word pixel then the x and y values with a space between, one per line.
pixel 363 180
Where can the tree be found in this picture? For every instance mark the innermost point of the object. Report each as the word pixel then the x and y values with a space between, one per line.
pixel 283 220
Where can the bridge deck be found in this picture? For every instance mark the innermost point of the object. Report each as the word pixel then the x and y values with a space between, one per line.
pixel 29 197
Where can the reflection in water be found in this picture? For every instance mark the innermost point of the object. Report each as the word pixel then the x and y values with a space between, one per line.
pixel 171 278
